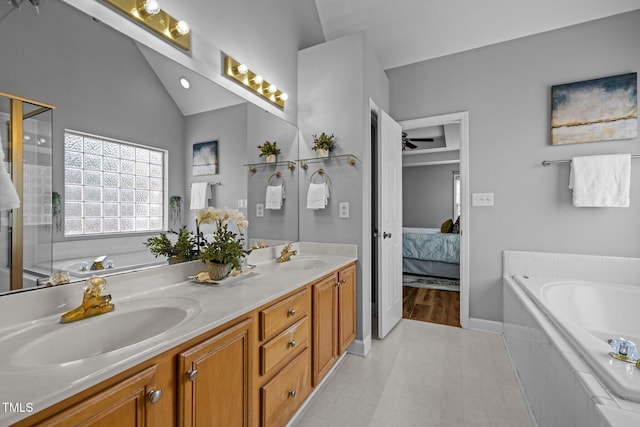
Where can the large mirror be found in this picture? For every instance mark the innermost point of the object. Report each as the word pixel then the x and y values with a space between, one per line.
pixel 113 95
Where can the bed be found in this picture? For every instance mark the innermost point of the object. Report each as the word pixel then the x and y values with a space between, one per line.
pixel 428 252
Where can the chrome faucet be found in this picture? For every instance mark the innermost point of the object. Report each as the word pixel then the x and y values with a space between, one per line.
pixel 93 302
pixel 286 254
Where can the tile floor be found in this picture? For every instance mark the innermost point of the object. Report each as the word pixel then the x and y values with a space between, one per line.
pixel 422 374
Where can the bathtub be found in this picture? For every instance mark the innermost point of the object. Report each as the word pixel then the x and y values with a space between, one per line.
pixel 587 314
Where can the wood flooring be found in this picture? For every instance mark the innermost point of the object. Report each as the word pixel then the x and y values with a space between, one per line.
pixel 431 305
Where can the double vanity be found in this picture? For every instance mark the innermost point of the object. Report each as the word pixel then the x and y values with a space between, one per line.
pixel 246 351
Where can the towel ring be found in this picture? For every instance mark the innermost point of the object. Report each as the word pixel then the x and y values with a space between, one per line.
pixel 321 172
pixel 276 175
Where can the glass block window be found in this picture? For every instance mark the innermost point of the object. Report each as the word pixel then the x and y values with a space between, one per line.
pixel 112 186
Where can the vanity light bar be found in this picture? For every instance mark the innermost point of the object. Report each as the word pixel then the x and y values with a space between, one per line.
pixel 252 81
pixel 155 19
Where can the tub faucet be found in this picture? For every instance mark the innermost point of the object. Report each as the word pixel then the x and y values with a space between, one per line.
pixel 98 263
pixel 93 302
pixel 286 254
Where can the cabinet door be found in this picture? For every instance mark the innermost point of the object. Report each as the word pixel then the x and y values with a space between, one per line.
pixel 214 380
pixel 346 307
pixel 325 327
pixel 127 403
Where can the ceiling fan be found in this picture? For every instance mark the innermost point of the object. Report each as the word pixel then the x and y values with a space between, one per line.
pixel 407 143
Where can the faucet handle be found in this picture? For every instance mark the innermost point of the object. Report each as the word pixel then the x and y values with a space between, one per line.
pixel 623 349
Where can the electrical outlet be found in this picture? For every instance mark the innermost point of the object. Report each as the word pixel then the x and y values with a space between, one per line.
pixel 344 209
pixel 259 210
pixel 242 203
pixel 482 199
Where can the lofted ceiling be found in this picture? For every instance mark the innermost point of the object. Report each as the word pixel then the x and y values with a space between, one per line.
pixel 403 32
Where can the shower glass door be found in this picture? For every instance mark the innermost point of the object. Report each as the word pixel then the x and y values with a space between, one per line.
pixel 26 232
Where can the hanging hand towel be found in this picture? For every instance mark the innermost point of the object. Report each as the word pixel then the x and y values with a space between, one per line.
pixel 8 196
pixel 601 181
pixel 274 196
pixel 317 196
pixel 200 194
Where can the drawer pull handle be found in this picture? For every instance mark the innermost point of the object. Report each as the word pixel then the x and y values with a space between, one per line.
pixel 154 396
pixel 292 343
pixel 192 375
pixel 292 393
pixel 292 312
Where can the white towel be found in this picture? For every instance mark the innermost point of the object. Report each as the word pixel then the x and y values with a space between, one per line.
pixel 200 194
pixel 601 181
pixel 317 196
pixel 274 196
pixel 8 196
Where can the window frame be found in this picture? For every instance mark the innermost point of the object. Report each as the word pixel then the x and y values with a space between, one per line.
pixel 111 234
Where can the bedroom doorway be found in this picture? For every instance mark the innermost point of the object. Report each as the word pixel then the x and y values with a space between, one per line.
pixel 435 219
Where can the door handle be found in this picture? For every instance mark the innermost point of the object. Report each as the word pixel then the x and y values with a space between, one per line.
pixel 386 235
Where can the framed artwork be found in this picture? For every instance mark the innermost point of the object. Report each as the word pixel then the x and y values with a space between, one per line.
pixel 603 109
pixel 205 158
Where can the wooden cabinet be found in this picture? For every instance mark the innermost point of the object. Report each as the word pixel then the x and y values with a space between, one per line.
pixel 214 385
pixel 285 359
pixel 131 402
pixel 334 319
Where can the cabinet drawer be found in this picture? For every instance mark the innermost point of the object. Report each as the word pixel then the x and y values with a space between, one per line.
pixel 281 397
pixel 288 311
pixel 284 345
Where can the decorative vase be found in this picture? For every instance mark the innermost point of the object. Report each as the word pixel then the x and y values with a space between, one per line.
pixel 323 154
pixel 176 259
pixel 271 158
pixel 218 271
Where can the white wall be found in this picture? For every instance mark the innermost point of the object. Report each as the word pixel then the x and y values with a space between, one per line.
pixel 427 195
pixel 506 89
pixel 336 81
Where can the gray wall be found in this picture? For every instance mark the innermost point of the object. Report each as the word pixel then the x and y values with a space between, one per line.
pixel 506 89
pixel 96 77
pixel 427 195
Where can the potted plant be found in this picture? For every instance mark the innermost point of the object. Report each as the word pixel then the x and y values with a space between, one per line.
pixel 227 248
pixel 323 144
pixel 177 252
pixel 270 150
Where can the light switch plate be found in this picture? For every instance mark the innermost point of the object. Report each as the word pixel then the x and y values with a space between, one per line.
pixel 242 203
pixel 344 209
pixel 482 199
pixel 259 210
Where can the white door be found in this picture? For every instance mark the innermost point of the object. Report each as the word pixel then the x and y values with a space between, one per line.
pixel 390 225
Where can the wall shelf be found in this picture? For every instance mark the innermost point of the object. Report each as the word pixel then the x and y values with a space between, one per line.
pixel 291 165
pixel 351 160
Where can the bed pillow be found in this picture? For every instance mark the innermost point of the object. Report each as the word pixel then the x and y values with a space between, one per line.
pixel 456 226
pixel 447 226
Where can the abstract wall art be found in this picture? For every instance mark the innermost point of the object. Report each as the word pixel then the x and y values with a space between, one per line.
pixel 602 109
pixel 205 158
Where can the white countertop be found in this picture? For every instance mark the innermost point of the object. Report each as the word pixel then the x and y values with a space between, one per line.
pixel 211 305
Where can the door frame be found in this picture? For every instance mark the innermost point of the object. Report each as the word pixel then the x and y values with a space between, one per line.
pixel 461 118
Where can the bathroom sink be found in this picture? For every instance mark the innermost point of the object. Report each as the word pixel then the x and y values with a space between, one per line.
pixel 306 262
pixel 129 324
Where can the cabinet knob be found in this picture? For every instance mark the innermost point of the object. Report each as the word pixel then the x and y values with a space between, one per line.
pixel 292 393
pixel 292 312
pixel 192 375
pixel 341 282
pixel 154 396
pixel 292 343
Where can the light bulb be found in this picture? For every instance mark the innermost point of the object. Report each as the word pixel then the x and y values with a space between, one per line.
pixel 243 69
pixel 185 83
pixel 258 79
pixel 181 28
pixel 283 96
pixel 152 7
pixel 272 88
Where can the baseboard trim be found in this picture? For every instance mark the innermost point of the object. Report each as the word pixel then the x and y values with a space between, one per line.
pixel 486 325
pixel 360 347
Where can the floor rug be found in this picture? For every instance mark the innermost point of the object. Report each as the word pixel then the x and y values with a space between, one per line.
pixel 429 282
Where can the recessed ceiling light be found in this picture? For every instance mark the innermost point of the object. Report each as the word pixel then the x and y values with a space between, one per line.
pixel 185 83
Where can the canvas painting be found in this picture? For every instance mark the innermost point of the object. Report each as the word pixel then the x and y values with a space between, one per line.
pixel 205 158
pixel 603 109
